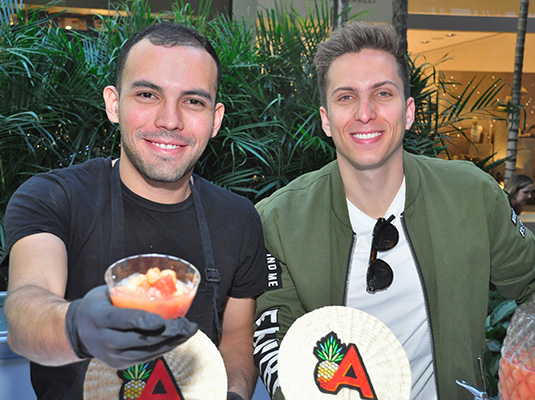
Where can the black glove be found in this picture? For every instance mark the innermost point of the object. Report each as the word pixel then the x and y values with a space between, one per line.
pixel 234 396
pixel 121 337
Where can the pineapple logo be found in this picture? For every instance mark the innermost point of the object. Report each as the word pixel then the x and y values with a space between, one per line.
pixel 340 366
pixel 149 381
pixel 134 377
pixel 330 350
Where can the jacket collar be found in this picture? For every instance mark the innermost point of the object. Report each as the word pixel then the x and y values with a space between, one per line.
pixel 339 205
pixel 412 178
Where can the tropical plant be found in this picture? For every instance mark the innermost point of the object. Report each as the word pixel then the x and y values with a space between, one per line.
pixel 8 9
pixel 51 111
pixel 53 115
pixel 278 132
pixel 499 316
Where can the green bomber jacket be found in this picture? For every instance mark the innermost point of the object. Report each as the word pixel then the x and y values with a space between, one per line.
pixel 463 233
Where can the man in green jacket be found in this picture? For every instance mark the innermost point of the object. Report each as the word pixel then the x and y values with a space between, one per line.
pixel 408 239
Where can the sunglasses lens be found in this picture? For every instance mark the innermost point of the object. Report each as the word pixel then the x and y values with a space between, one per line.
pixel 386 235
pixel 379 276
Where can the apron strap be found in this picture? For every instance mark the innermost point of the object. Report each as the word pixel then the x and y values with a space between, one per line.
pixel 117 236
pixel 117 216
pixel 211 272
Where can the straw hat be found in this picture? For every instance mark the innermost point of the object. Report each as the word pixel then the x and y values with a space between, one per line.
pixel 196 366
pixel 342 353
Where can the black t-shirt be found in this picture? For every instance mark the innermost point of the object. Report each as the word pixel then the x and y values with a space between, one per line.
pixel 173 229
pixel 75 205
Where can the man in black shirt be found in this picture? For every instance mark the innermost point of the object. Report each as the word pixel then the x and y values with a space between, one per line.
pixel 65 227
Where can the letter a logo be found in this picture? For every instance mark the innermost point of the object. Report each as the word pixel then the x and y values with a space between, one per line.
pixel 341 366
pixel 149 381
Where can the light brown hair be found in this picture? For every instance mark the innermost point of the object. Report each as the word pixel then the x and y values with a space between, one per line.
pixel 354 38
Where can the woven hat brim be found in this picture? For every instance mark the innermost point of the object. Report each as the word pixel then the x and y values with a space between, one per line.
pixel 383 356
pixel 197 367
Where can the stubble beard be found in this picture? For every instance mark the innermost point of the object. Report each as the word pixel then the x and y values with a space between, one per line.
pixel 164 171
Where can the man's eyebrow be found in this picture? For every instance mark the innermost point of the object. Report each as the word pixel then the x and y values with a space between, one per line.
pixel 384 83
pixel 153 86
pixel 200 93
pixel 145 84
pixel 374 86
pixel 343 89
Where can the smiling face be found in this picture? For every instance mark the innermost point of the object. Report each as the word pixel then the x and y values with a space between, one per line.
pixel 166 111
pixel 366 113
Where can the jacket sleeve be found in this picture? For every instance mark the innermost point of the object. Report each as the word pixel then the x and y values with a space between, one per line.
pixel 512 251
pixel 276 310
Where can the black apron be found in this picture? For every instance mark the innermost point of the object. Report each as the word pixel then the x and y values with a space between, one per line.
pixel 211 274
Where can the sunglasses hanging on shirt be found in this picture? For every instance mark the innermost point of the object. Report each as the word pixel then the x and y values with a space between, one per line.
pixel 380 275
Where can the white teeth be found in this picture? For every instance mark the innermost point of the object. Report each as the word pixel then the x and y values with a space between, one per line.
pixel 165 146
pixel 366 135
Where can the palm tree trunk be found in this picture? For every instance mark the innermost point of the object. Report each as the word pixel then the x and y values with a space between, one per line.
pixel 514 118
pixel 400 13
pixel 340 12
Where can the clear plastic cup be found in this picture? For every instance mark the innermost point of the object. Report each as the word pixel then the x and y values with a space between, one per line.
pixel 128 287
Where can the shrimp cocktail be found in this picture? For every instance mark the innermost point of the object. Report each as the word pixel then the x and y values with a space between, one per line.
pixel 157 283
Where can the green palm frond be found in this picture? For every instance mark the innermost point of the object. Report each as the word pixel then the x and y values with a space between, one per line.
pixel 52 114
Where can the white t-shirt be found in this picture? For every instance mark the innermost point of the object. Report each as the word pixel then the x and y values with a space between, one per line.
pixel 402 306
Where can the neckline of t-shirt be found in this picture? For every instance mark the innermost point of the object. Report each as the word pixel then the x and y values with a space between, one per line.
pixel 363 222
pixel 130 197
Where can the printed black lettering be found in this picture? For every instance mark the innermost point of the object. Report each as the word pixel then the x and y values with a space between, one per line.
pixel 266 349
pixel 262 335
pixel 274 273
pixel 271 263
pixel 269 318
pixel 522 229
pixel 271 372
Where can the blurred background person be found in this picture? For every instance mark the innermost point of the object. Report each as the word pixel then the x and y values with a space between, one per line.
pixel 520 190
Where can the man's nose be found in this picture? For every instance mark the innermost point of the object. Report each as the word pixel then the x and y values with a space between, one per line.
pixel 169 117
pixel 365 111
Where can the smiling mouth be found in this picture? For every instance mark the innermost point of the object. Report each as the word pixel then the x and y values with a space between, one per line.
pixel 370 135
pixel 166 146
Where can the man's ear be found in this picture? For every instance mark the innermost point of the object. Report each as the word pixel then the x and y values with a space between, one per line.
pixel 111 99
pixel 325 121
pixel 410 112
pixel 219 113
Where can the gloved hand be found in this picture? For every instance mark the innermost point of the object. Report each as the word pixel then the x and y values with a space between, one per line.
pixel 121 337
pixel 234 396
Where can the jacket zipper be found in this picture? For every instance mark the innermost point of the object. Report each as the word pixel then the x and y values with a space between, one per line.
pixel 428 314
pixel 348 269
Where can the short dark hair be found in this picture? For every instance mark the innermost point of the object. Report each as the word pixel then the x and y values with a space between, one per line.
pixel 168 34
pixel 354 38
